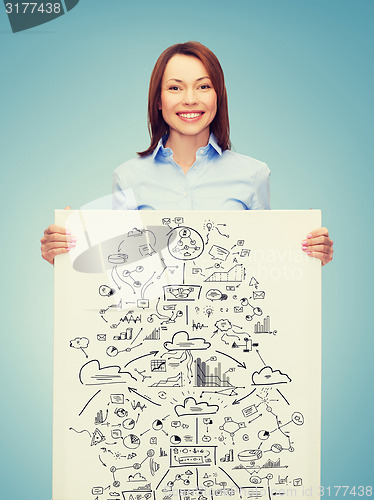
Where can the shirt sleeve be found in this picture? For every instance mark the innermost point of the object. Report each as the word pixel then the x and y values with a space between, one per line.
pixel 260 199
pixel 122 197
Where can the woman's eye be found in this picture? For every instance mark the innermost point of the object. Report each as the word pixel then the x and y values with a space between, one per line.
pixel 174 87
pixel 205 86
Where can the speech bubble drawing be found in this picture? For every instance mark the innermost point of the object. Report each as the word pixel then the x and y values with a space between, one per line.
pixel 219 253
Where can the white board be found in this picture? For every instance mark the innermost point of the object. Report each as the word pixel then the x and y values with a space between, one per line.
pixel 186 356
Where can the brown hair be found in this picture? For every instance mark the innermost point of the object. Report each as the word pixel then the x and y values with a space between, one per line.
pixel 157 126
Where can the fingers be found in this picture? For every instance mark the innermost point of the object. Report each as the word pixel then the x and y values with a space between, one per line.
pixel 319 245
pixel 56 240
pixel 53 228
pixel 321 231
pixel 50 255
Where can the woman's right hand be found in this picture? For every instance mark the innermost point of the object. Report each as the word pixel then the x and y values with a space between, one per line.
pixel 56 240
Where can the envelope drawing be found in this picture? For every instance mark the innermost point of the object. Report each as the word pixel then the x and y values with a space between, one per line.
pixel 258 294
pixel 238 309
pixel 101 336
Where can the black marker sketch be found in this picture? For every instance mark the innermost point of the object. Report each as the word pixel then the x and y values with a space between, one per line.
pixel 135 478
pixel 181 341
pixel 279 392
pixel 80 432
pixel 191 407
pixel 175 381
pixel 186 377
pixel 171 269
pixel 264 327
pixel 154 335
pixel 158 365
pixel 249 455
pixel 166 318
pixel 215 294
pixel 224 326
pixel 142 374
pixel 222 234
pixel 182 292
pixel 88 402
pixel 126 335
pixel 207 377
pixel 208 311
pixel 268 376
pixel 128 318
pixel 253 282
pixel 97 437
pixel 133 390
pixel 220 253
pixel 92 373
pixel 229 457
pixel 181 456
pixel 80 343
pixel 198 326
pixel 117 399
pixel 138 494
pixel 106 291
pixel 142 303
pixel 256 311
pixel 120 412
pixel 231 427
pixel 239 363
pixel 236 273
pixel 112 350
pixel 185 243
pixel 247 346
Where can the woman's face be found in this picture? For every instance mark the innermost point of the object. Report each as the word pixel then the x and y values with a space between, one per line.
pixel 188 99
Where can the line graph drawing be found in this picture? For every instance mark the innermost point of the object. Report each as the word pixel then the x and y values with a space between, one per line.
pixel 235 274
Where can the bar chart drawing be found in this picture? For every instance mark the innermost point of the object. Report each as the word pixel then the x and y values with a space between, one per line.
pixel 155 335
pixel 264 327
pixel 207 377
pixel 229 457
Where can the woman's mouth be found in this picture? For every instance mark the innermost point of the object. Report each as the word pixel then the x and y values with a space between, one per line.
pixel 191 115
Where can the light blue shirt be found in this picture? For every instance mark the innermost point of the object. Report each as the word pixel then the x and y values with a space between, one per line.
pixel 218 180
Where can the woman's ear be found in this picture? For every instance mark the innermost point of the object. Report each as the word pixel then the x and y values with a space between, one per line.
pixel 159 105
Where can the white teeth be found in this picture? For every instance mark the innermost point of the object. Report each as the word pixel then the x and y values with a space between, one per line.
pixel 189 115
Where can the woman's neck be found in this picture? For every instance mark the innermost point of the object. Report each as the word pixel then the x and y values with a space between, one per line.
pixel 184 148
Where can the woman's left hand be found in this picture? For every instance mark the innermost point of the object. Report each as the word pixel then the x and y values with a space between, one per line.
pixel 318 244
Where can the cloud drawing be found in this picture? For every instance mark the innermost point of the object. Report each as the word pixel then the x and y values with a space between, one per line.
pixel 92 373
pixel 268 376
pixel 181 342
pixel 191 407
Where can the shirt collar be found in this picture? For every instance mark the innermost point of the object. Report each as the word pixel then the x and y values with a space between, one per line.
pixel 160 149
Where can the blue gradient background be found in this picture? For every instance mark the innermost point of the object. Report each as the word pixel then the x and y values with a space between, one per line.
pixel 73 107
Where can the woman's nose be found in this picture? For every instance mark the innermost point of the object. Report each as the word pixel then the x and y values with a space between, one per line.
pixel 190 97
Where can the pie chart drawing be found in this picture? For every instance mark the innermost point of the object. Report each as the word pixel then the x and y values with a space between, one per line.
pixel 131 441
pixel 157 425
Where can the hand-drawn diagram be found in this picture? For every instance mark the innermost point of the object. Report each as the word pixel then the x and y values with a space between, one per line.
pixel 184 389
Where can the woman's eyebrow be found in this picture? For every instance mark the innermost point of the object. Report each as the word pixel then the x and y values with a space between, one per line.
pixel 180 81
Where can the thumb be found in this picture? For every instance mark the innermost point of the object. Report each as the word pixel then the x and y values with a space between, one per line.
pixel 67 208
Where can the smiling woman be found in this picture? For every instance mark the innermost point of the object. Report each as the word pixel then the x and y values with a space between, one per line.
pixel 189 164
pixel 188 105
